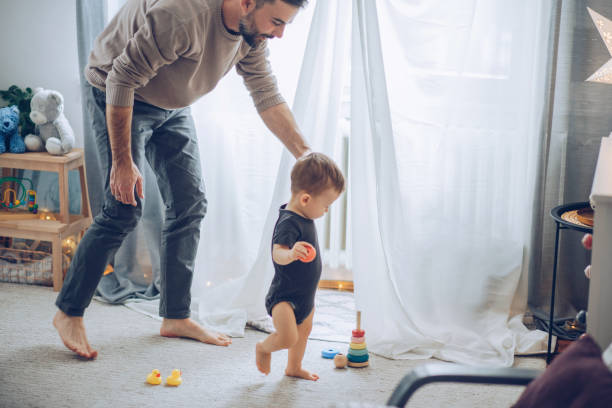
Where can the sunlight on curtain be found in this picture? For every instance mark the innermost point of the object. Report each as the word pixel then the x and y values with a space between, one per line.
pixel 247 170
pixel 448 168
pixel 240 158
pixel 245 181
pixel 446 107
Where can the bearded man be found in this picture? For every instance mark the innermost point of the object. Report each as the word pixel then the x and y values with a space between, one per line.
pixel 152 61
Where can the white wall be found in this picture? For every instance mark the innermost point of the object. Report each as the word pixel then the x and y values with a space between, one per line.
pixel 39 49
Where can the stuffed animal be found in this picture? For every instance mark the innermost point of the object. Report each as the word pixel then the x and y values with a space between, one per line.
pixel 9 130
pixel 52 128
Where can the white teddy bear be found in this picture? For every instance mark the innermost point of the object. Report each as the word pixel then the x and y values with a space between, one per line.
pixel 52 128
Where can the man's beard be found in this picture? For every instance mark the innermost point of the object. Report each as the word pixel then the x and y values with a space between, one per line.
pixel 250 34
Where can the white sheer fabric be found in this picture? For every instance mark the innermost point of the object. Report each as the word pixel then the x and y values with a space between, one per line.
pixel 245 182
pixel 446 106
pixel 446 161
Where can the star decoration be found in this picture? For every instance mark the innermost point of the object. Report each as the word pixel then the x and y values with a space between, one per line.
pixel 604 26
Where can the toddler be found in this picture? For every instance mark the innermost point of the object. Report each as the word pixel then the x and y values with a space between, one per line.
pixel 316 182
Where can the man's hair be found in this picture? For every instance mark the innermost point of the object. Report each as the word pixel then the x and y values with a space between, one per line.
pixel 314 173
pixel 296 3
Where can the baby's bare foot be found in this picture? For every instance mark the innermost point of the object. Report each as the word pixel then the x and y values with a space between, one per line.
pixel 301 373
pixel 190 329
pixel 72 332
pixel 262 359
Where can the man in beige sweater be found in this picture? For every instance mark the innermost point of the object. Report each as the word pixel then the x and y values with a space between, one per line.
pixel 154 59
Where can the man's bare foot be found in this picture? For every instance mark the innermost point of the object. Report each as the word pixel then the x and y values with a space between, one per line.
pixel 262 359
pixel 190 329
pixel 72 332
pixel 301 373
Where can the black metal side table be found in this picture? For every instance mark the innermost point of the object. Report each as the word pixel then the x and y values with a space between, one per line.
pixel 557 215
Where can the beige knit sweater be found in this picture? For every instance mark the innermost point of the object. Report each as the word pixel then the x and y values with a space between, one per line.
pixel 168 53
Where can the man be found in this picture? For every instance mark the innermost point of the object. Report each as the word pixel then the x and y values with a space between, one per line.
pixel 154 59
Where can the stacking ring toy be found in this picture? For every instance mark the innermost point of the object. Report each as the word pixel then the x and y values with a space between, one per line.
pixel 357 365
pixel 329 353
pixel 358 333
pixel 357 352
pixel 358 359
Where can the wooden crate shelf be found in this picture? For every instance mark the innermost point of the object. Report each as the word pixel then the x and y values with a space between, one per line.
pixel 66 224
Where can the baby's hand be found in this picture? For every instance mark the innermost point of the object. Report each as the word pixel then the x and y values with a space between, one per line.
pixel 300 250
pixel 311 253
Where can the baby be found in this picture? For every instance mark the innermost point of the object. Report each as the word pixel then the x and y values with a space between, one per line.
pixel 316 182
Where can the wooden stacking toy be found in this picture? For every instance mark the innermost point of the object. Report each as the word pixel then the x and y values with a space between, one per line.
pixel 358 351
pixel 340 360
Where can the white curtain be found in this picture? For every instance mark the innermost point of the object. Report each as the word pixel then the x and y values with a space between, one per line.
pixel 246 169
pixel 246 181
pixel 446 113
pixel 447 102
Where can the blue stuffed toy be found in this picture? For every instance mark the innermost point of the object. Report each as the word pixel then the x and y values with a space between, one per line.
pixel 9 130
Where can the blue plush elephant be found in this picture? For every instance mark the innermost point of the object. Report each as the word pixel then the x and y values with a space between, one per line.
pixel 9 130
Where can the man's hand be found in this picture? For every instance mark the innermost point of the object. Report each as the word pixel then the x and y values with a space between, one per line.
pixel 124 176
pixel 305 153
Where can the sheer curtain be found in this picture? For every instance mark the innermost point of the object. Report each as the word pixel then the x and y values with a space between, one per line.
pixel 247 171
pixel 569 159
pixel 446 116
pixel 447 160
pixel 240 159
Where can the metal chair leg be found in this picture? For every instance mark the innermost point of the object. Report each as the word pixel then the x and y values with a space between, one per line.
pixel 552 297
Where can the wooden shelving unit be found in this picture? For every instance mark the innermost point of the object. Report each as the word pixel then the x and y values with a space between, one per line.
pixel 66 224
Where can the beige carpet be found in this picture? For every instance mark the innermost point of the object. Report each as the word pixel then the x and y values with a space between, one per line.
pixel 37 371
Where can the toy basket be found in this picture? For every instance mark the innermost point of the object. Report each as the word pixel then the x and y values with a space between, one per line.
pixel 26 266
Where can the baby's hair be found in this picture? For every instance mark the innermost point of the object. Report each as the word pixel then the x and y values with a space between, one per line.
pixel 314 173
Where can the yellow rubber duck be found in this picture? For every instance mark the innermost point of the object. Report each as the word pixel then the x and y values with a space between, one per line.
pixel 175 378
pixel 154 378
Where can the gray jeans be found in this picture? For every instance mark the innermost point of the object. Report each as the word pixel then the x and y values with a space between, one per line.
pixel 167 139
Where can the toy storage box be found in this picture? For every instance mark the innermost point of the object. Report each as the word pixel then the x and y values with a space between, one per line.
pixel 26 266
